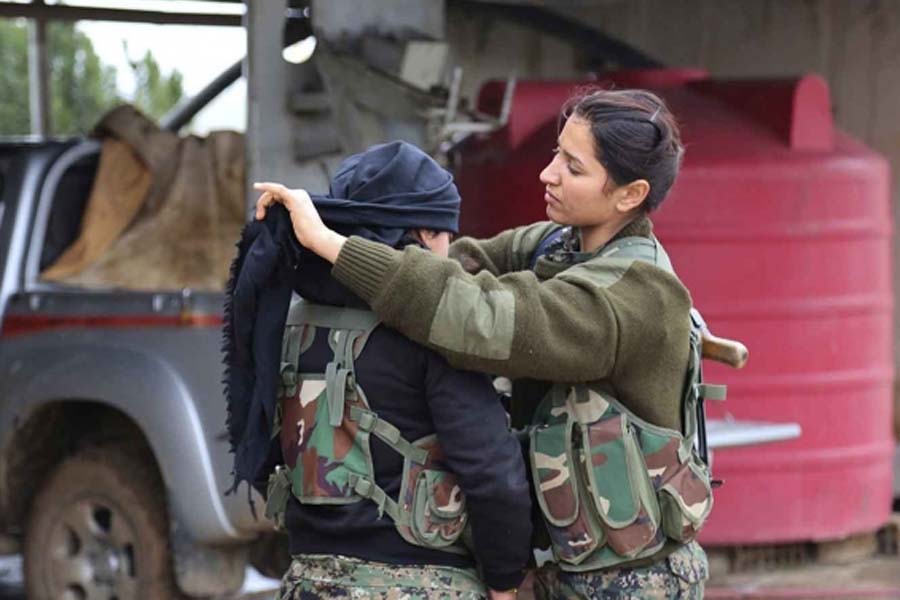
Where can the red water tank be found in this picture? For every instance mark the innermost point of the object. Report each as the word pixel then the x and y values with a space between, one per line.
pixel 780 226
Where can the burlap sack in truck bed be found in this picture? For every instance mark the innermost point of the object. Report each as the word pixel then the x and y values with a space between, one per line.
pixel 164 211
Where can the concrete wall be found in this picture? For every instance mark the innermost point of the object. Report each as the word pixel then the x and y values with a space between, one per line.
pixel 487 48
pixel 855 44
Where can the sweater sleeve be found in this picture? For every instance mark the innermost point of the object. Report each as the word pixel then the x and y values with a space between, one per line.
pixel 562 329
pixel 508 251
pixel 487 460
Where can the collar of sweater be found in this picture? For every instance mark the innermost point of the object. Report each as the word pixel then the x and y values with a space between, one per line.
pixel 640 226
pixel 564 252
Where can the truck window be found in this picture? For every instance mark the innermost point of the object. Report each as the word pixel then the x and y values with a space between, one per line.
pixel 69 201
pixel 5 159
pixel 154 67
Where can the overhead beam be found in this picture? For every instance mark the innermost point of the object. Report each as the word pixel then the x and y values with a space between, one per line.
pixel 593 41
pixel 58 12
pixel 182 114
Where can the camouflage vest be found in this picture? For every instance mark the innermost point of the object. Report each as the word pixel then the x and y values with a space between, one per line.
pixel 612 487
pixel 325 424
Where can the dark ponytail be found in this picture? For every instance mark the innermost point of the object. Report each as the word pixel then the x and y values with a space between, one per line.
pixel 635 137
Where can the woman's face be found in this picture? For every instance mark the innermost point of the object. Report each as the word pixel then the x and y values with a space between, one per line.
pixel 578 189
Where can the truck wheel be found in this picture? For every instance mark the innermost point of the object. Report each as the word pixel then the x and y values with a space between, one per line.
pixel 98 529
pixel 270 555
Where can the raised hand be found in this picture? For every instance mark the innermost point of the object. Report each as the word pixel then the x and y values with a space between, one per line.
pixel 308 226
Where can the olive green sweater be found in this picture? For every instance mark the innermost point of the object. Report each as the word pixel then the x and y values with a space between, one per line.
pixel 621 322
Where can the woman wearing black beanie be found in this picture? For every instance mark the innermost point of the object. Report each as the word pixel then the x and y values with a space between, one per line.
pixel 368 512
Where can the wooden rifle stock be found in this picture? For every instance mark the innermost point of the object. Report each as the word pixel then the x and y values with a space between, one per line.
pixel 730 352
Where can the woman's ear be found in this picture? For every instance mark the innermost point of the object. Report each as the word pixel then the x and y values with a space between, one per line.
pixel 632 195
pixel 436 241
pixel 426 235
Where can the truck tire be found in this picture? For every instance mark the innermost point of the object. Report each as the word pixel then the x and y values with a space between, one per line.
pixel 98 529
pixel 270 555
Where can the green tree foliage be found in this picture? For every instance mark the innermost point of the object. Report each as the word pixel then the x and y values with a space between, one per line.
pixel 13 78
pixel 81 87
pixel 156 93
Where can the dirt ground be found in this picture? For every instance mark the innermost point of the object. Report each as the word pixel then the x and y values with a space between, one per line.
pixel 865 565
pixel 869 579
pixel 874 578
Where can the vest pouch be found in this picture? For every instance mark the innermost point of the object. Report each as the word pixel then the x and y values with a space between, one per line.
pixel 554 469
pixel 321 458
pixel 432 502
pixel 621 491
pixel 685 501
pixel 439 510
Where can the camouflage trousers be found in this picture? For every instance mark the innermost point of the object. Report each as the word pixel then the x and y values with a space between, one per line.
pixel 679 576
pixel 324 577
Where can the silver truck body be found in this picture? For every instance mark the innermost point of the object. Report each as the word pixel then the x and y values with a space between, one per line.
pixel 153 358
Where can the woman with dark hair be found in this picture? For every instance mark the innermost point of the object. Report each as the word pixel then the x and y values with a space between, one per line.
pixel 590 302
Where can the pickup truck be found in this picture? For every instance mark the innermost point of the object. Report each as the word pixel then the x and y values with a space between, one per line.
pixel 113 457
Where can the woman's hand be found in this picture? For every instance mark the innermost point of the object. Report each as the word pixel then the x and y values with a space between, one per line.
pixel 311 232
pixel 308 226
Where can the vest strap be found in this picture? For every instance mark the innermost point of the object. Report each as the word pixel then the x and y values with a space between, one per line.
pixel 639 248
pixel 370 422
pixel 339 374
pixel 302 312
pixel 296 340
pixel 691 403
pixel 336 384
pixel 370 490
pixel 289 379
pixel 277 494
pixel 711 391
pixel 290 353
pixel 545 244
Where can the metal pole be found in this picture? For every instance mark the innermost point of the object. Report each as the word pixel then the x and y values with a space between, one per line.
pixel 38 75
pixel 61 12
pixel 181 115
pixel 545 19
